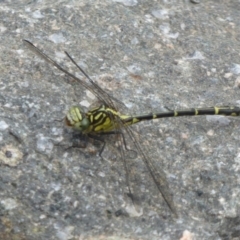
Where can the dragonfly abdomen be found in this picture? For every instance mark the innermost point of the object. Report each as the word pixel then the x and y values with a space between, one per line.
pixel 228 111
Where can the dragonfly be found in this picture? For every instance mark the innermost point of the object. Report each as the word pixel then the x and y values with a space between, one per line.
pixel 107 119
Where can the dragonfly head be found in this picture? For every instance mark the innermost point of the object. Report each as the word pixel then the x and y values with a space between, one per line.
pixel 76 119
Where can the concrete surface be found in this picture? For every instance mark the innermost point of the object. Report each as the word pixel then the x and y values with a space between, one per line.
pixel 151 55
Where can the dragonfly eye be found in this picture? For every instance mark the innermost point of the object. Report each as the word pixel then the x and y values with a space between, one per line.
pixel 84 124
pixel 76 118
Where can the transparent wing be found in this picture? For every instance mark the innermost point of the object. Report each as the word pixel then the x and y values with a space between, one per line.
pixel 103 96
pixel 106 96
pixel 157 175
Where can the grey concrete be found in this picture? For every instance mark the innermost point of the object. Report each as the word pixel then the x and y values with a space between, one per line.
pixel 150 55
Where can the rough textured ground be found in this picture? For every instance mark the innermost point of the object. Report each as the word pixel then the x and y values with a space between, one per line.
pixel 151 55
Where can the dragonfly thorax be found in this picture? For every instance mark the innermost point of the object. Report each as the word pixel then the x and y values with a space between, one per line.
pixel 77 119
pixel 97 120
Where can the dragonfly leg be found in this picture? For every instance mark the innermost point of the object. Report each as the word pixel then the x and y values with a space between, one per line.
pixel 79 141
pixel 99 139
